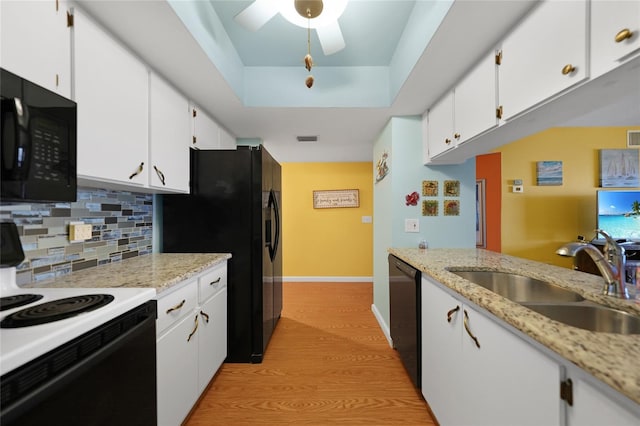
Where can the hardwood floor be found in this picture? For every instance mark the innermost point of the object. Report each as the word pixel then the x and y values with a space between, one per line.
pixel 328 362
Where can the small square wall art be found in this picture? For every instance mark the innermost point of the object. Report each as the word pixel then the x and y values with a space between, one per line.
pixel 430 208
pixel 452 207
pixel 549 173
pixel 430 188
pixel 451 188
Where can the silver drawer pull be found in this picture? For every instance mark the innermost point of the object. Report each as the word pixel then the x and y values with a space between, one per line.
pixel 215 281
pixel 175 308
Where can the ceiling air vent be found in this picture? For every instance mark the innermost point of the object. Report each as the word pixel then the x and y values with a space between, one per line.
pixel 307 139
pixel 633 138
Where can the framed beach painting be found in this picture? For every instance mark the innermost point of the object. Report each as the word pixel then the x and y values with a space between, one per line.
pixel 549 173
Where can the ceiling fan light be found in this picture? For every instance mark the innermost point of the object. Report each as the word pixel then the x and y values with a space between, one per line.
pixel 331 11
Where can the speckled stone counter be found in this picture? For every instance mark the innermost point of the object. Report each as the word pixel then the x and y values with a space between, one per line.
pixel 611 358
pixel 159 270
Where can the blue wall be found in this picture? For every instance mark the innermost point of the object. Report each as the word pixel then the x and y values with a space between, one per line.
pixel 402 140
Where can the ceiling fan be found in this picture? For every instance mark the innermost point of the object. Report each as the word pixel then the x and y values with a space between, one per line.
pixel 322 16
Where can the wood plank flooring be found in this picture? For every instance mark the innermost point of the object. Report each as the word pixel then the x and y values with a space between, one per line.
pixel 327 363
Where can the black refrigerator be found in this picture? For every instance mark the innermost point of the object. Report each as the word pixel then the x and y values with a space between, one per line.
pixel 234 207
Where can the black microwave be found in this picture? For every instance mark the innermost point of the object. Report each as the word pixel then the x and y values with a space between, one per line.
pixel 38 142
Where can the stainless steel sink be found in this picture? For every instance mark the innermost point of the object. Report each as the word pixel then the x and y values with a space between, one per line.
pixel 589 317
pixel 519 288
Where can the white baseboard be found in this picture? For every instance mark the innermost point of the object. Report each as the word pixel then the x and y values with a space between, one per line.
pixel 383 325
pixel 329 279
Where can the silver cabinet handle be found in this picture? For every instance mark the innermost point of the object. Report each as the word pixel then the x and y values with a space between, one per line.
pixel 175 308
pixel 160 174
pixel 466 327
pixel 451 312
pixel 195 328
pixel 138 171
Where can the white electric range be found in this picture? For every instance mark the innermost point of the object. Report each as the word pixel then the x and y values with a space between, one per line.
pixel 20 345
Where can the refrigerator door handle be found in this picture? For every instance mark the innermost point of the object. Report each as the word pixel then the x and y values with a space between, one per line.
pixel 273 203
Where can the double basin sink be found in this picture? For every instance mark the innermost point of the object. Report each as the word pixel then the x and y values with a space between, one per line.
pixel 554 302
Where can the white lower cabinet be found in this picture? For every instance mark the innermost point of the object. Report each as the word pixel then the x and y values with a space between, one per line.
pixel 191 342
pixel 177 363
pixel 476 372
pixel 594 407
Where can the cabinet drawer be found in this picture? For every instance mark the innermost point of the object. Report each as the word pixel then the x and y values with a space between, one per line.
pixel 212 282
pixel 174 306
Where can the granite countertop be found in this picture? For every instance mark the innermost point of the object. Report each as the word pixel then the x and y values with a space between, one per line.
pixel 158 270
pixel 611 358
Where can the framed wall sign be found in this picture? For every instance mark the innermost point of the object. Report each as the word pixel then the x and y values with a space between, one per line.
pixel 337 198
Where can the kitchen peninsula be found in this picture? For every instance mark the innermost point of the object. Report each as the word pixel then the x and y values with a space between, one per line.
pixel 601 358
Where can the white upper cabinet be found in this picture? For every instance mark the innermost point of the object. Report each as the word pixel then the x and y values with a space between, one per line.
pixel 615 34
pixel 466 111
pixel 36 42
pixel 206 132
pixel 544 55
pixel 112 92
pixel 475 100
pixel 170 127
pixel 440 126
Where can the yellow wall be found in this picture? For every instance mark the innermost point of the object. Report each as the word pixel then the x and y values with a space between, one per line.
pixel 536 222
pixel 326 242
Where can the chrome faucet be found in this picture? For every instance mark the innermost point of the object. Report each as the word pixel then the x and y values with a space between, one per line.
pixel 611 265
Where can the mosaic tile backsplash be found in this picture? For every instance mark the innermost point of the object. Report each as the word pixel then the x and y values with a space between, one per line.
pixel 121 222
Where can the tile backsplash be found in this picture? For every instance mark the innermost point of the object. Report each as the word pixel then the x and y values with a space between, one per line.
pixel 121 222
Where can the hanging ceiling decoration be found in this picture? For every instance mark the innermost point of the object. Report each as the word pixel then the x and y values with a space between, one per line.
pixel 311 9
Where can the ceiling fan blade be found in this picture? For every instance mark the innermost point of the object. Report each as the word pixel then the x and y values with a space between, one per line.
pixel 331 38
pixel 257 14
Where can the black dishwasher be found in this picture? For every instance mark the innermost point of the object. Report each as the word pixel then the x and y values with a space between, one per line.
pixel 405 319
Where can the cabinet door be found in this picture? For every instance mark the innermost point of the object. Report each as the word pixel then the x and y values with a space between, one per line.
pixel 170 125
pixel 506 372
pixel 608 20
pixel 112 91
pixel 442 375
pixel 475 100
pixel 36 42
pixel 440 126
pixel 593 407
pixel 212 343
pixel 535 54
pixel 206 132
pixel 177 363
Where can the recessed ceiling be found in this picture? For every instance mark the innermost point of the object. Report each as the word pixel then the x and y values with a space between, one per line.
pixel 400 57
pixel 371 30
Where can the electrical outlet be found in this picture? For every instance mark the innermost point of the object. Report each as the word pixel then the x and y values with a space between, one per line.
pixel 79 231
pixel 518 188
pixel 411 225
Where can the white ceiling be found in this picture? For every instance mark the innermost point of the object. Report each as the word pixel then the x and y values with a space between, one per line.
pixel 376 33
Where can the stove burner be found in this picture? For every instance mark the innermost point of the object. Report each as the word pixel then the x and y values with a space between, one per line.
pixel 55 310
pixel 10 302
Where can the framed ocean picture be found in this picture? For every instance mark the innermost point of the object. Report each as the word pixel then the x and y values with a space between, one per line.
pixel 549 173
